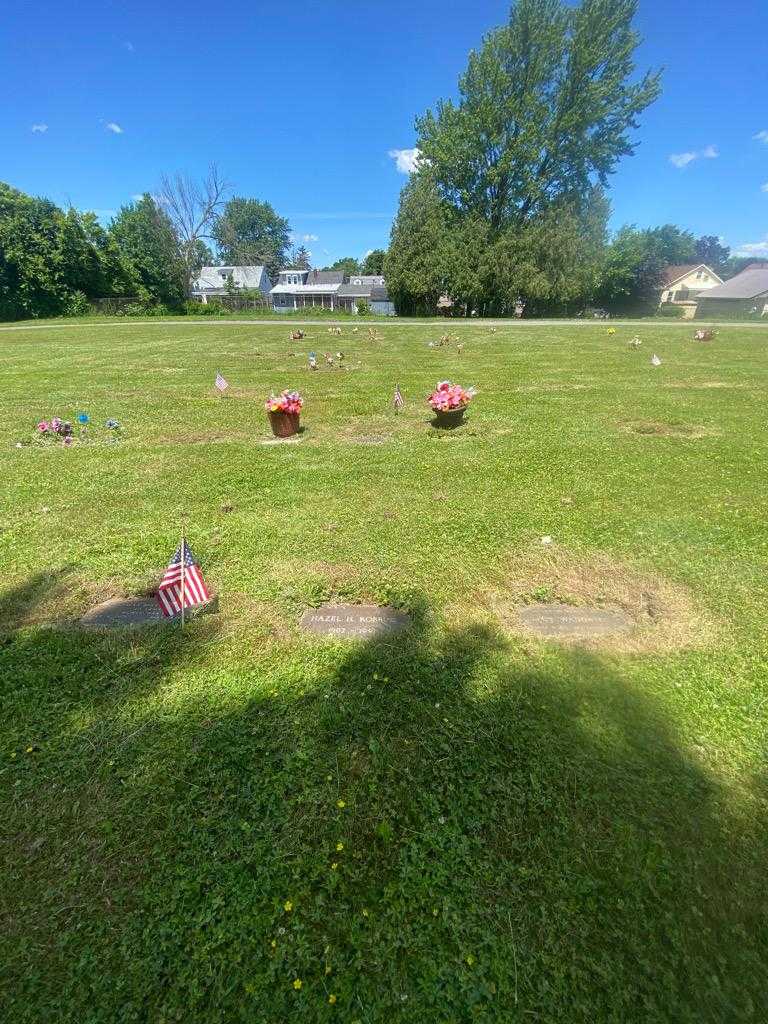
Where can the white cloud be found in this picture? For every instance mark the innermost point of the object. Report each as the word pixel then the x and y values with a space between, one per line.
pixel 764 188
pixel 310 238
pixel 681 160
pixel 41 128
pixel 753 248
pixel 129 46
pixel 137 196
pixel 761 136
pixel 112 126
pixel 406 160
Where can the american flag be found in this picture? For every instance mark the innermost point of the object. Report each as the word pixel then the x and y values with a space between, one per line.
pixel 221 384
pixel 398 401
pixel 169 595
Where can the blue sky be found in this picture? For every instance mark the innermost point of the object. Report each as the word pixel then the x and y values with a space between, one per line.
pixel 301 104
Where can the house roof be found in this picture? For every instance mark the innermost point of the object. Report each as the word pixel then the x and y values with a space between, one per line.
pixel 676 271
pixel 747 285
pixel 325 277
pixel 352 290
pixel 212 278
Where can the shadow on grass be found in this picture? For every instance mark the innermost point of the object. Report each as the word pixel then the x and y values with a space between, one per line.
pixel 429 828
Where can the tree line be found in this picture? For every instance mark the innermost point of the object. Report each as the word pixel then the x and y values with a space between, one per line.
pixel 509 201
pixel 56 262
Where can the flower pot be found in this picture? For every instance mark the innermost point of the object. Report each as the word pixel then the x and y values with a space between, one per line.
pixel 450 418
pixel 284 424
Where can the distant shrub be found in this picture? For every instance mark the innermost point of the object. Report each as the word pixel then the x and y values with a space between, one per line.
pixel 363 307
pixel 77 305
pixel 670 310
pixel 210 308
pixel 316 313
pixel 132 309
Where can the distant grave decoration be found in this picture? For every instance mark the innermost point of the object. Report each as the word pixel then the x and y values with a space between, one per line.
pixel 284 411
pixel 58 432
pixel 449 402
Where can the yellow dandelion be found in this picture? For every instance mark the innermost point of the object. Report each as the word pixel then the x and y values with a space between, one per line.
pixel 273 943
pixel 334 866
pixel 470 959
pixel 329 778
pixel 339 847
pixel 331 998
pixel 328 968
pixel 365 912
pixel 287 906
pixel 30 749
pixel 341 804
pixel 297 984
pixel 434 911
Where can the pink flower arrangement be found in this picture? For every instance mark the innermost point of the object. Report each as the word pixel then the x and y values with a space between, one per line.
pixel 55 426
pixel 288 401
pixel 447 396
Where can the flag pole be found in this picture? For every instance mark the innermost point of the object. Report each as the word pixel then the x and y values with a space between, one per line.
pixel 183 569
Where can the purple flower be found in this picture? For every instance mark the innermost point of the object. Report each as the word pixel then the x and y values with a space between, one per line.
pixel 56 424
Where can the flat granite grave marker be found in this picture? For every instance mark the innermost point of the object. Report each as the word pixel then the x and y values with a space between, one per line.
pixel 126 612
pixel 354 620
pixel 564 620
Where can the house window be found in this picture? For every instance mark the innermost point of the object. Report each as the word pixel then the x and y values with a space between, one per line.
pixel 699 275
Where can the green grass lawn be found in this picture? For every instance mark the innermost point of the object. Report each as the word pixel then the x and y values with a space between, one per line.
pixel 243 823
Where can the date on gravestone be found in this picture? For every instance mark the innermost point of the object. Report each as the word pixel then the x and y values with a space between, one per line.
pixel 354 620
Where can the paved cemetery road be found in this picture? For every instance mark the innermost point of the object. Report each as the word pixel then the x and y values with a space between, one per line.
pixel 393 322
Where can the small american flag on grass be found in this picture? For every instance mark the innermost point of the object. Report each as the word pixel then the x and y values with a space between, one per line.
pixel 221 384
pixel 398 400
pixel 169 593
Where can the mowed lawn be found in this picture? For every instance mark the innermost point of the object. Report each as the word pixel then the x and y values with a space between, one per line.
pixel 243 823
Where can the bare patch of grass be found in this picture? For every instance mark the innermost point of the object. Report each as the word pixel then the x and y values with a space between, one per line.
pixel 665 614
pixel 657 428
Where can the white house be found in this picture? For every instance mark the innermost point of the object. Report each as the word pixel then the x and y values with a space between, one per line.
pixel 683 283
pixel 298 289
pixel 221 280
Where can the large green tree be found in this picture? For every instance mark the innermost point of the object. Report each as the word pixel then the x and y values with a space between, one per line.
pixel 713 252
pixel 348 264
pixel 149 249
pixel 671 244
pixel 249 232
pixel 47 255
pixel 546 108
pixel 631 277
pixel 373 263
pixel 31 280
